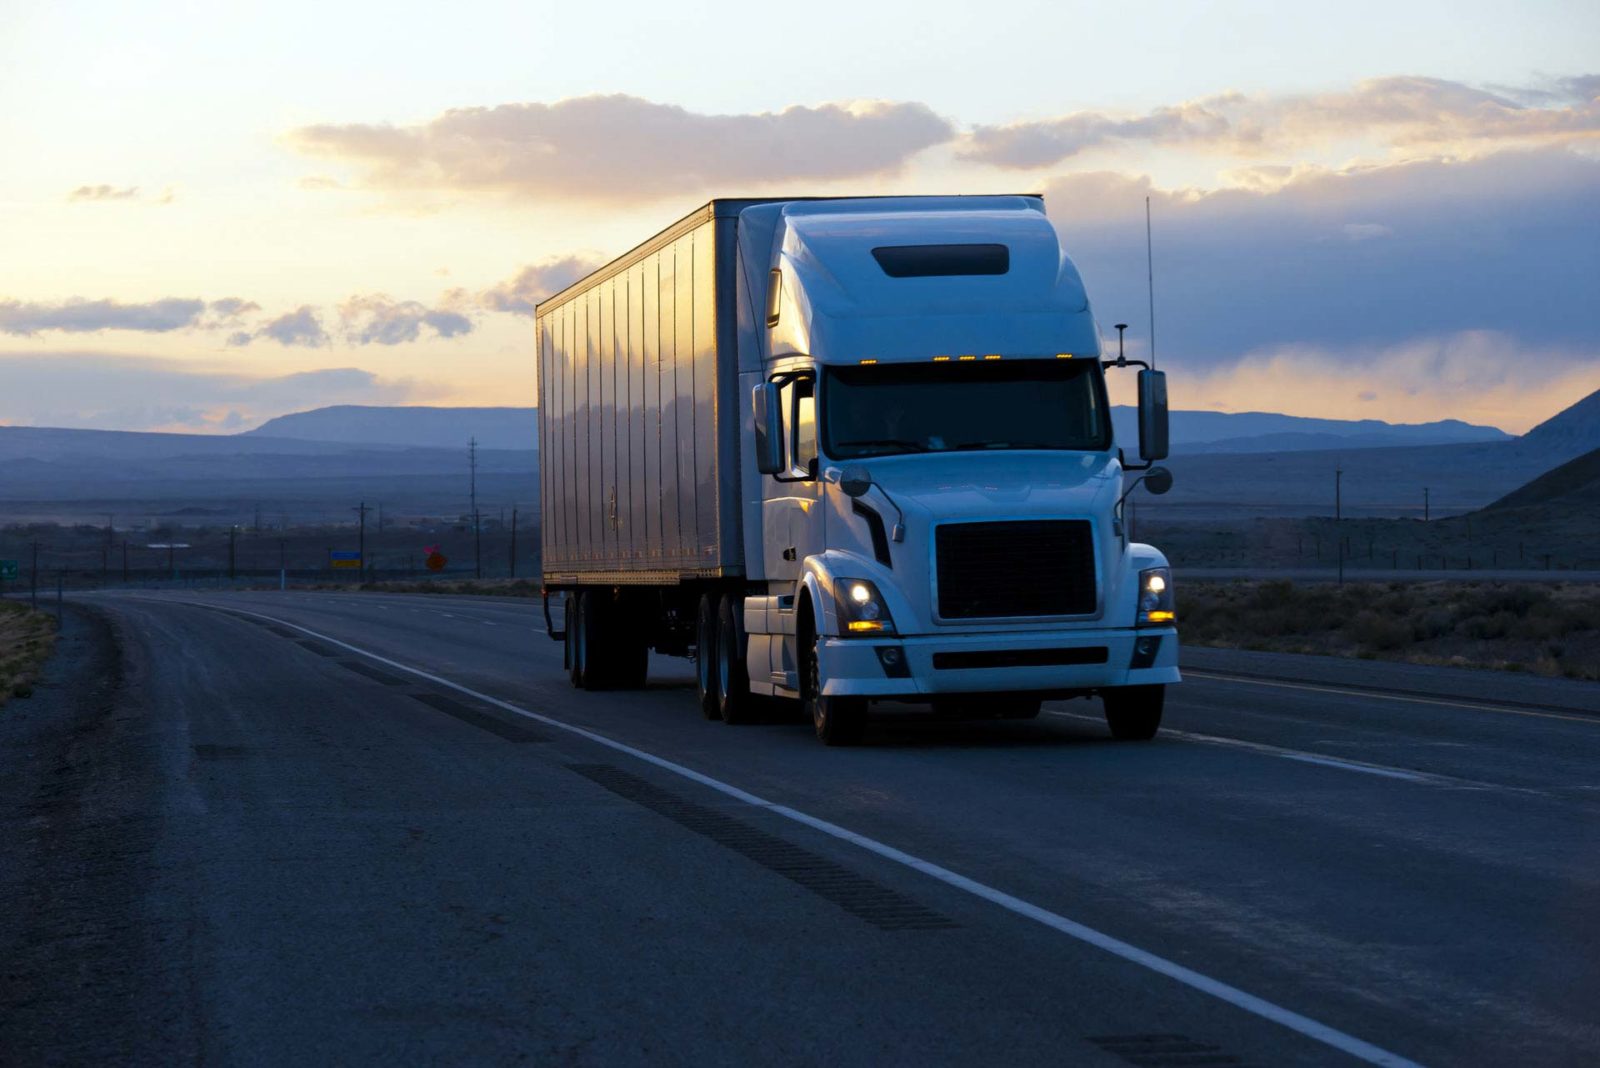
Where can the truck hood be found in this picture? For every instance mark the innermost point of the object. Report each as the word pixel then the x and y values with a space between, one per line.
pixel 1016 484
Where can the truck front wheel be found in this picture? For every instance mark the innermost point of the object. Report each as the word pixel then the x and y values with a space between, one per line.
pixel 837 720
pixel 1134 712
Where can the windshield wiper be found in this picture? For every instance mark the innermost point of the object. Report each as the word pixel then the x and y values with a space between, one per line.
pixel 895 442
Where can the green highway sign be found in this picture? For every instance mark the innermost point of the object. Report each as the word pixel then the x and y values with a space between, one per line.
pixel 8 571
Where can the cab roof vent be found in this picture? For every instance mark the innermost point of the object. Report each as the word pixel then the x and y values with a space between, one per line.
pixel 941 261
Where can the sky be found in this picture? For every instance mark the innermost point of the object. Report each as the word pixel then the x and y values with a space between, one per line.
pixel 213 214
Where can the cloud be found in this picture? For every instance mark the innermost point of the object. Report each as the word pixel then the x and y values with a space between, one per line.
pixel 618 147
pixel 1402 111
pixel 105 391
pixel 1482 377
pixel 103 192
pixel 378 320
pixel 300 327
pixel 230 309
pixel 1507 243
pixel 520 293
pixel 77 316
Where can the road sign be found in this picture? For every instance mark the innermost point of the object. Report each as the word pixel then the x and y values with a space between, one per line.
pixel 436 561
pixel 8 571
pixel 345 559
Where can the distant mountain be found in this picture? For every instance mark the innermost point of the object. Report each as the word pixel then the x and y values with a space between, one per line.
pixel 1572 430
pixel 1198 431
pixel 444 428
pixel 1574 483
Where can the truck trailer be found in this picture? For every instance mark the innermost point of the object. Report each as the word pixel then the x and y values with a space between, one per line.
pixel 847 450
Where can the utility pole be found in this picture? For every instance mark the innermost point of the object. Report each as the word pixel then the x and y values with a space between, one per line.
pixel 1338 515
pixel 1424 504
pixel 513 541
pixel 361 544
pixel 477 533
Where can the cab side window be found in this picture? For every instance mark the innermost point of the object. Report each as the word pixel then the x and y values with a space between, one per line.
pixel 799 405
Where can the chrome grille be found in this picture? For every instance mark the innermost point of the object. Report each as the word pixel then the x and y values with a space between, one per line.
pixel 1015 569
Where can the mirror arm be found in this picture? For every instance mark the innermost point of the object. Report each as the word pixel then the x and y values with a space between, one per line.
pixel 898 533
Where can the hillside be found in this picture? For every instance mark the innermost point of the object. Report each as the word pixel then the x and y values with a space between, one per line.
pixel 1575 483
pixel 446 428
pixel 1570 432
pixel 1272 432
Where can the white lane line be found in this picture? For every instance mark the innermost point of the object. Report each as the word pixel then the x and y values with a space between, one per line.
pixel 1351 765
pixel 1341 763
pixel 1188 674
pixel 1232 995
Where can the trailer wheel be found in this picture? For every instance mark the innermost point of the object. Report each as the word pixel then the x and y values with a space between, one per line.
pixel 590 659
pixel 837 720
pixel 733 678
pixel 705 653
pixel 1134 712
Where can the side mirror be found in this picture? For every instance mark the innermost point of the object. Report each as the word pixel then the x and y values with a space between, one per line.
pixel 855 481
pixel 1158 480
pixel 768 406
pixel 1153 416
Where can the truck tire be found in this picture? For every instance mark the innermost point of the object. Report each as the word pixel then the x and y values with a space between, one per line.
pixel 1134 712
pixel 837 720
pixel 733 677
pixel 590 652
pixel 705 657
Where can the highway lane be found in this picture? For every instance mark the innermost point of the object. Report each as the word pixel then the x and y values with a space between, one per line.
pixel 1420 876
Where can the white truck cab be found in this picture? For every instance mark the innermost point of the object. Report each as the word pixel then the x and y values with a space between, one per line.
pixel 928 491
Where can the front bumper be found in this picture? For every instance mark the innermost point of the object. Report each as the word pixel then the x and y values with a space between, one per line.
pixel 1043 662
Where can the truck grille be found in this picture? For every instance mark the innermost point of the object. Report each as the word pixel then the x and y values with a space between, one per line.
pixel 1020 568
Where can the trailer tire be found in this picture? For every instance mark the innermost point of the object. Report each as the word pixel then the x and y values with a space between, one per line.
pixel 837 720
pixel 593 654
pixel 705 653
pixel 734 701
pixel 1134 712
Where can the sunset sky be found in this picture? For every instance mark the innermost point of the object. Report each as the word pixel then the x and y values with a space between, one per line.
pixel 209 217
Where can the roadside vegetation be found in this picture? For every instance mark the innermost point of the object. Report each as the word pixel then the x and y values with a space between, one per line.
pixel 26 639
pixel 1550 629
pixel 456 587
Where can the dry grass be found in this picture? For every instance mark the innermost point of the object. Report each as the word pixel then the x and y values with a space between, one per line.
pixel 1547 629
pixel 26 638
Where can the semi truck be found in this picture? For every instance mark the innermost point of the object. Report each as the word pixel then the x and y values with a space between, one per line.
pixel 843 451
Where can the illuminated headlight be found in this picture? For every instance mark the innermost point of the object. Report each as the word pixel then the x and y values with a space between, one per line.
pixel 861 608
pixel 1156 604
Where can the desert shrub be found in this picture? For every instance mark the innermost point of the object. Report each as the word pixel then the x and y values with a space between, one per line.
pixel 1381 632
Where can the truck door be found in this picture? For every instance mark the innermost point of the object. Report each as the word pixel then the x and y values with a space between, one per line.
pixel 791 516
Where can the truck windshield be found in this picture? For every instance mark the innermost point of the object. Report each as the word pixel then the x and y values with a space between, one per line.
pixel 882 409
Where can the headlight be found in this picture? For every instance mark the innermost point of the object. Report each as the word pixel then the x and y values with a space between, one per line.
pixel 1156 604
pixel 861 609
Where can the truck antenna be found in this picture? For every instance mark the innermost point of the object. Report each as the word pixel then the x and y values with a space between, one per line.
pixel 1150 272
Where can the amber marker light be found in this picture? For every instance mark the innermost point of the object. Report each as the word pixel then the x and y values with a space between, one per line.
pixel 865 625
pixel 868 361
pixel 941 359
pixel 994 356
pixel 1063 355
pixel 964 359
pixel 1154 617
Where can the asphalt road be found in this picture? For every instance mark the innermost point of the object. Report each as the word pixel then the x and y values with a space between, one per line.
pixel 310 827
